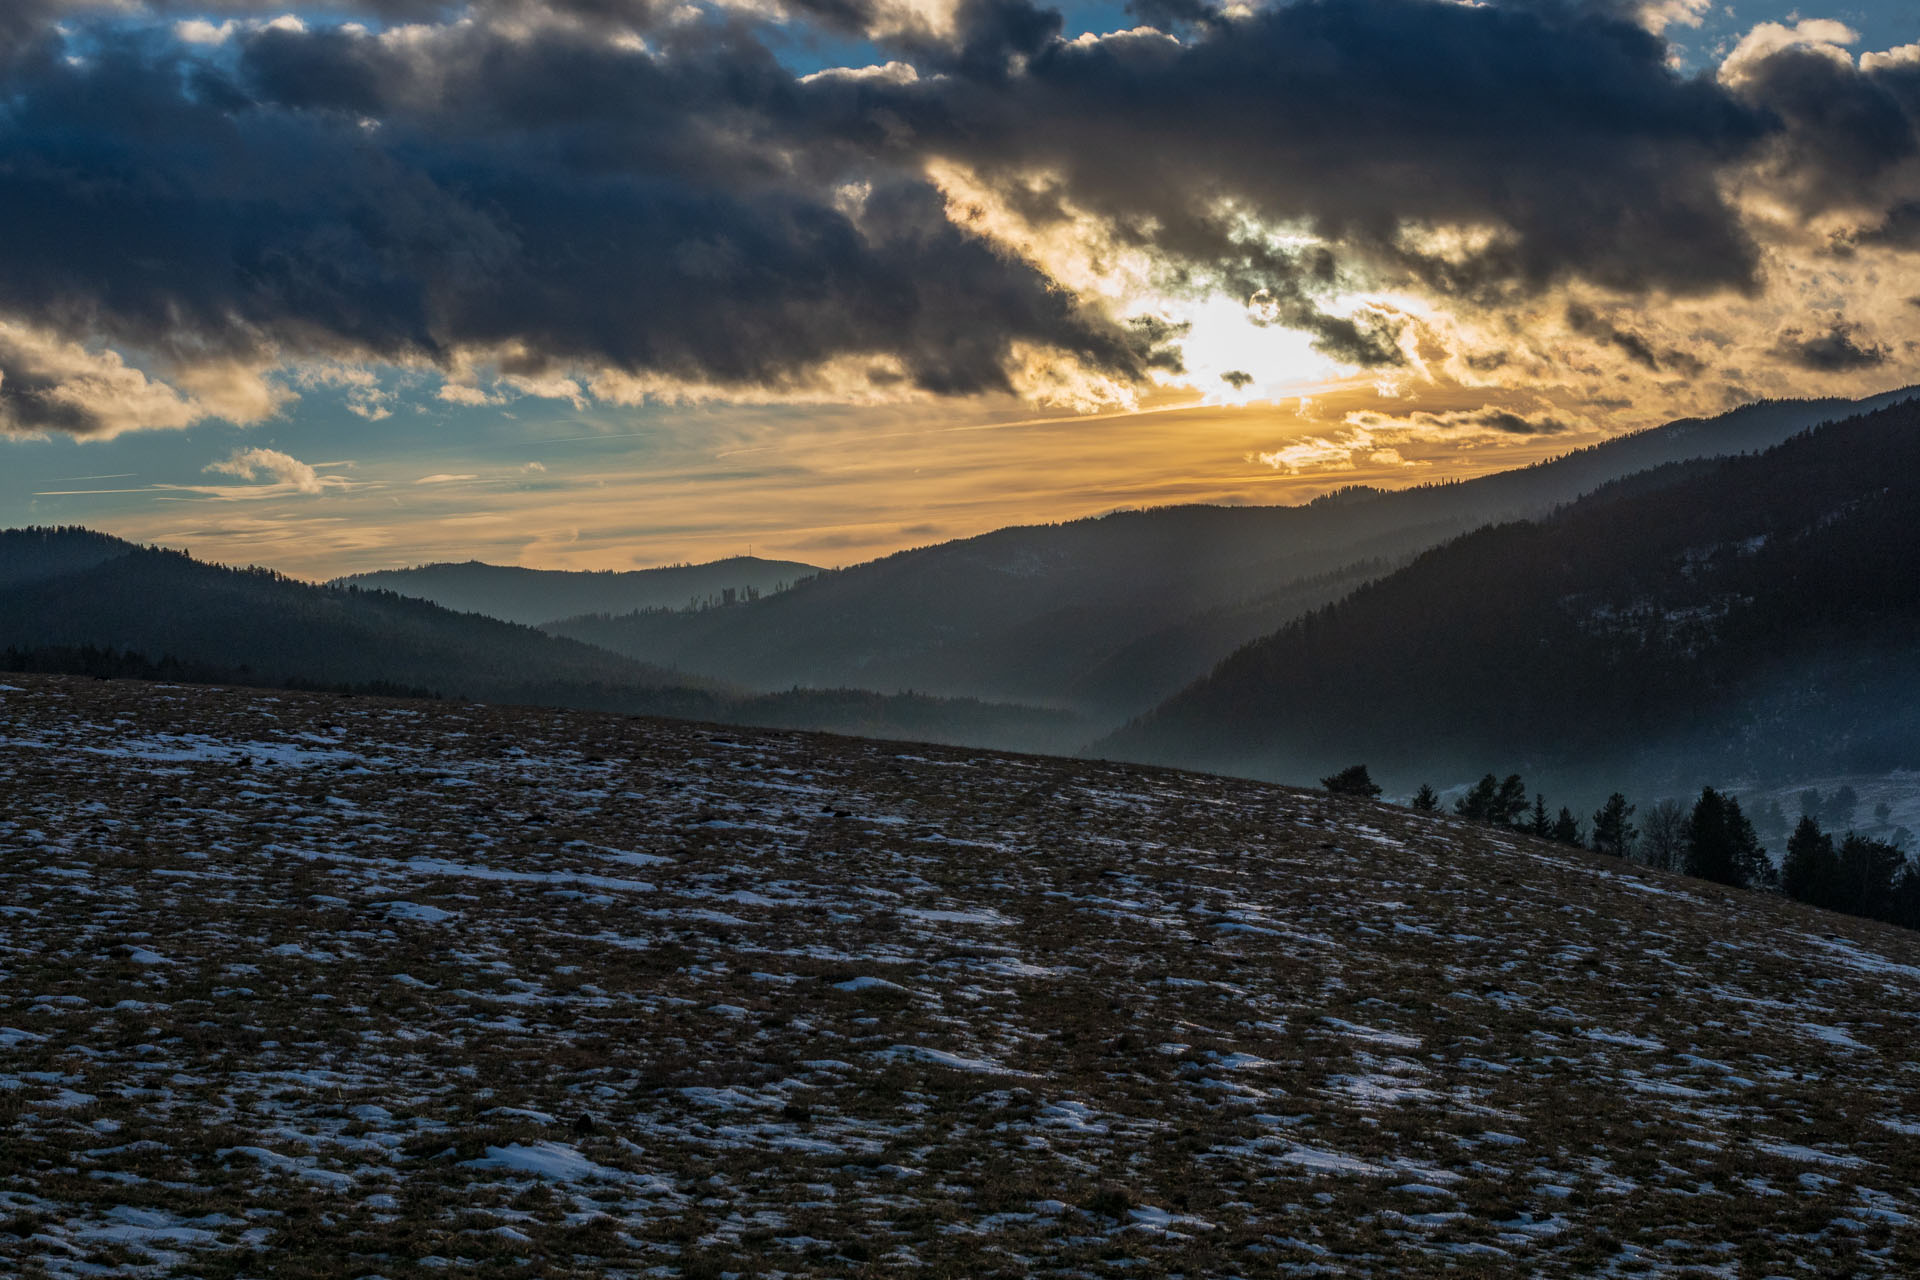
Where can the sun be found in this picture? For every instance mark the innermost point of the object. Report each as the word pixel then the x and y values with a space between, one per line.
pixel 1233 359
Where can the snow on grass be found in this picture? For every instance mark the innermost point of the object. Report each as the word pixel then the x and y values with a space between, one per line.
pixel 366 986
pixel 945 1058
pixel 546 1160
pixel 1835 1036
pixel 420 912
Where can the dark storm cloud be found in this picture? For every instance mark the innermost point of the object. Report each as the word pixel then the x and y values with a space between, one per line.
pixel 1834 350
pixel 695 210
pixel 1513 424
pixel 1565 132
pixel 30 401
pixel 1841 130
pixel 265 212
pixel 1636 346
pixel 1900 227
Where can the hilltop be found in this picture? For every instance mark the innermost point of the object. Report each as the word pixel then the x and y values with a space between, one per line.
pixel 75 600
pixel 1751 617
pixel 1108 616
pixel 335 986
pixel 534 596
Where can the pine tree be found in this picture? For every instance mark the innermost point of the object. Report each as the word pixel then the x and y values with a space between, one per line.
pixel 1721 844
pixel 1810 870
pixel 1867 871
pixel 1502 803
pixel 1478 803
pixel 1612 833
pixel 1425 800
pixel 1354 780
pixel 1510 804
pixel 1542 824
pixel 1566 828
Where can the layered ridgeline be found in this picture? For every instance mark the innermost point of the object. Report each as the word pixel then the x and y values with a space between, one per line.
pixel 299 986
pixel 533 596
pixel 1748 618
pixel 1110 615
pixel 77 600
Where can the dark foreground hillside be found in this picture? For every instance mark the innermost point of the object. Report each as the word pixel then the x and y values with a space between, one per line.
pixel 306 985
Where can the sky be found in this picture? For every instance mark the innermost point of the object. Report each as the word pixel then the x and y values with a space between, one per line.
pixel 616 283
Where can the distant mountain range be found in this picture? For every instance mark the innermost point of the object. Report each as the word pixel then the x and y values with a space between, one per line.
pixel 1755 616
pixel 1619 631
pixel 62 590
pixel 1108 616
pixel 534 596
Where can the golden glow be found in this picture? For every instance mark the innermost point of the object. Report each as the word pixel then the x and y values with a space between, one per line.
pixel 830 489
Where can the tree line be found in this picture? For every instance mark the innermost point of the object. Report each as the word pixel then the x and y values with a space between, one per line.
pixel 1856 873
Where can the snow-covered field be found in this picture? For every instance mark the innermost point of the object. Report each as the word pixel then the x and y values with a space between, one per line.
pixel 307 985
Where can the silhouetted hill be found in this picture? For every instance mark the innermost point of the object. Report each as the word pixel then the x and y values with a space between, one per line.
pixel 533 596
pixel 1747 617
pixel 37 554
pixel 1107 615
pixel 75 589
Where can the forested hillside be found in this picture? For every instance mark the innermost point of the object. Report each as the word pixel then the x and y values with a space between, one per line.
pixel 533 596
pixel 1751 617
pixel 69 590
pixel 1109 615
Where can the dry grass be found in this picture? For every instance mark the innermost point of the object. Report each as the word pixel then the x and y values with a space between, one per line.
pixel 666 999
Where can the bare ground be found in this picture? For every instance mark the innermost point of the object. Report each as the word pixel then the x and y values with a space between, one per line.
pixel 307 985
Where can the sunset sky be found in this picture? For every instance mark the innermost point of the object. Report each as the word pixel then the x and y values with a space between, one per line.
pixel 617 283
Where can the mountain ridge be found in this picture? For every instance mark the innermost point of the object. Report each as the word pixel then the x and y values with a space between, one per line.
pixel 528 596
pixel 1050 612
pixel 1730 611
pixel 65 589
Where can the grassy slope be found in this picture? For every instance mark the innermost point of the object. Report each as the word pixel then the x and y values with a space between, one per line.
pixel 320 986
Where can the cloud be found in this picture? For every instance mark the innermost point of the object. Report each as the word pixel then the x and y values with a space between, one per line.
pixel 364 397
pixel 1565 137
pixel 351 196
pixel 1506 422
pixel 1847 136
pixel 277 467
pixel 1315 453
pixel 1657 15
pixel 1899 58
pixel 50 384
pixel 443 477
pixel 623 200
pixel 1636 346
pixel 1834 350
pixel 1823 38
